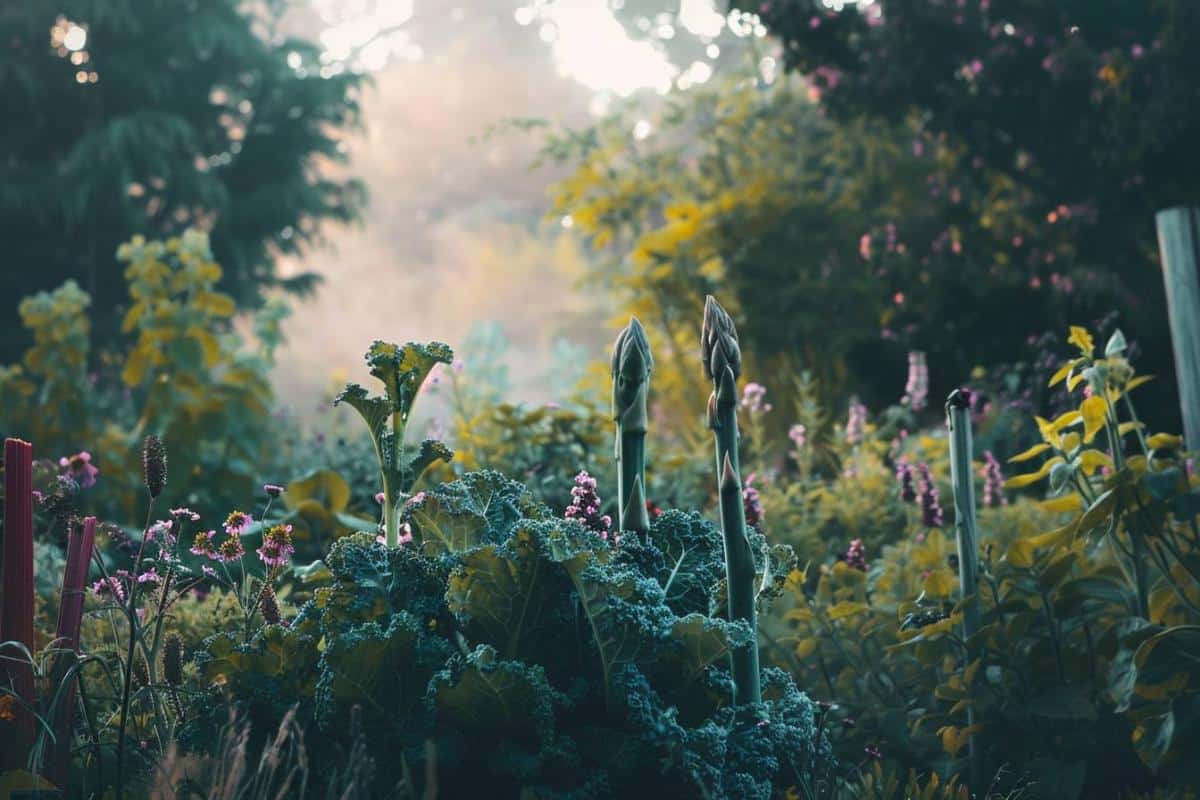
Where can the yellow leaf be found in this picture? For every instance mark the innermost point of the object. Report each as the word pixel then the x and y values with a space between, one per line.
pixel 1021 481
pixel 1065 421
pixel 1074 381
pixel 1070 442
pixel 1062 373
pixel 215 303
pixel 1081 339
pixel 806 648
pixel 1054 538
pixel 1138 381
pixel 1094 411
pixel 1036 450
pixel 846 608
pixel 940 583
pixel 1126 427
pixel 1092 460
pixel 132 316
pixel 208 344
pixel 1164 441
pixel 955 739
pixel 135 367
pixel 1068 502
pixel 1020 553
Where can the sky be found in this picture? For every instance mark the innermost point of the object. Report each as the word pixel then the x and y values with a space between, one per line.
pixel 454 233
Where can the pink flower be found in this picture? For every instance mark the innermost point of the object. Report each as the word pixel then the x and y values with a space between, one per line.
pixel 185 513
pixel 237 523
pixel 150 576
pixel 864 246
pixel 208 571
pixel 113 585
pixel 273 489
pixel 380 497
pixel 585 505
pixel 203 544
pixel 277 547
pixel 231 549
pixel 80 468
pixel 798 434
pixel 916 390
pixel 752 398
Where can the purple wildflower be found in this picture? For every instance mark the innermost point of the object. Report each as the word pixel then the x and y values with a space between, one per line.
pixel 380 497
pixel 993 482
pixel 855 556
pixel 905 475
pixel 80 468
pixel 585 505
pixel 161 530
pixel 150 577
pixel 927 496
pixel 277 547
pixel 185 513
pixel 916 389
pixel 273 489
pixel 112 586
pixel 752 503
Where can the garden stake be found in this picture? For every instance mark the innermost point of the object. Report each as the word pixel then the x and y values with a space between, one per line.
pixel 70 613
pixel 1179 247
pixel 958 421
pixel 16 619
pixel 723 364
pixel 631 367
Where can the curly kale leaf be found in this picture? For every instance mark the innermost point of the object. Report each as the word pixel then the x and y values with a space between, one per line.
pixel 372 580
pixel 383 668
pixel 685 554
pixel 478 508
pixel 402 370
pixel 510 596
pixel 484 694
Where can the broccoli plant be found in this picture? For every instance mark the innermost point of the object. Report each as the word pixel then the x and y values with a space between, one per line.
pixel 402 370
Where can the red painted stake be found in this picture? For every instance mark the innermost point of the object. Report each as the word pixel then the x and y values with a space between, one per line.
pixel 70 614
pixel 16 617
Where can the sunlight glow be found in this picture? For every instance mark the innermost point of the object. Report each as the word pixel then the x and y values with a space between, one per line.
pixel 591 46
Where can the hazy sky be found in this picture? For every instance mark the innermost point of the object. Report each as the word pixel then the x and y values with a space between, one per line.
pixel 454 230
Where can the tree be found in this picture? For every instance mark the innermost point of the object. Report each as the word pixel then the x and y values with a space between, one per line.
pixel 1091 107
pixel 154 116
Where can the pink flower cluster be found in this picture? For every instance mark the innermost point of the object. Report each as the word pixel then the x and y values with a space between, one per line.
pixel 927 496
pixel 993 482
pixel 277 547
pixel 752 398
pixel 80 469
pixel 752 503
pixel 585 506
pixel 856 555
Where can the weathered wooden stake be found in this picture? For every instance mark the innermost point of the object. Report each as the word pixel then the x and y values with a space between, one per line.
pixel 958 421
pixel 1179 247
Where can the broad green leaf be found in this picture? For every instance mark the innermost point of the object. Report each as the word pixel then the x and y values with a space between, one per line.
pixel 1116 344
pixel 502 595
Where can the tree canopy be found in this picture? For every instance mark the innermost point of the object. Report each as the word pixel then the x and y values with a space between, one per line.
pixel 150 117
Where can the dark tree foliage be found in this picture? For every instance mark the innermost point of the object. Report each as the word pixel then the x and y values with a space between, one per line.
pixel 1090 106
pixel 167 114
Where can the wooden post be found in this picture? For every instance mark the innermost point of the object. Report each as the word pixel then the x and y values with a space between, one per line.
pixel 1179 247
pixel 958 424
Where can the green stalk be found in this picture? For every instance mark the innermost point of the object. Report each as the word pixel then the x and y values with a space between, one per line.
pixel 958 421
pixel 631 367
pixel 722 364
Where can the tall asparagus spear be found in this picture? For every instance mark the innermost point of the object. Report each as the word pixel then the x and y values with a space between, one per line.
pixel 958 421
pixel 723 364
pixel 631 367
